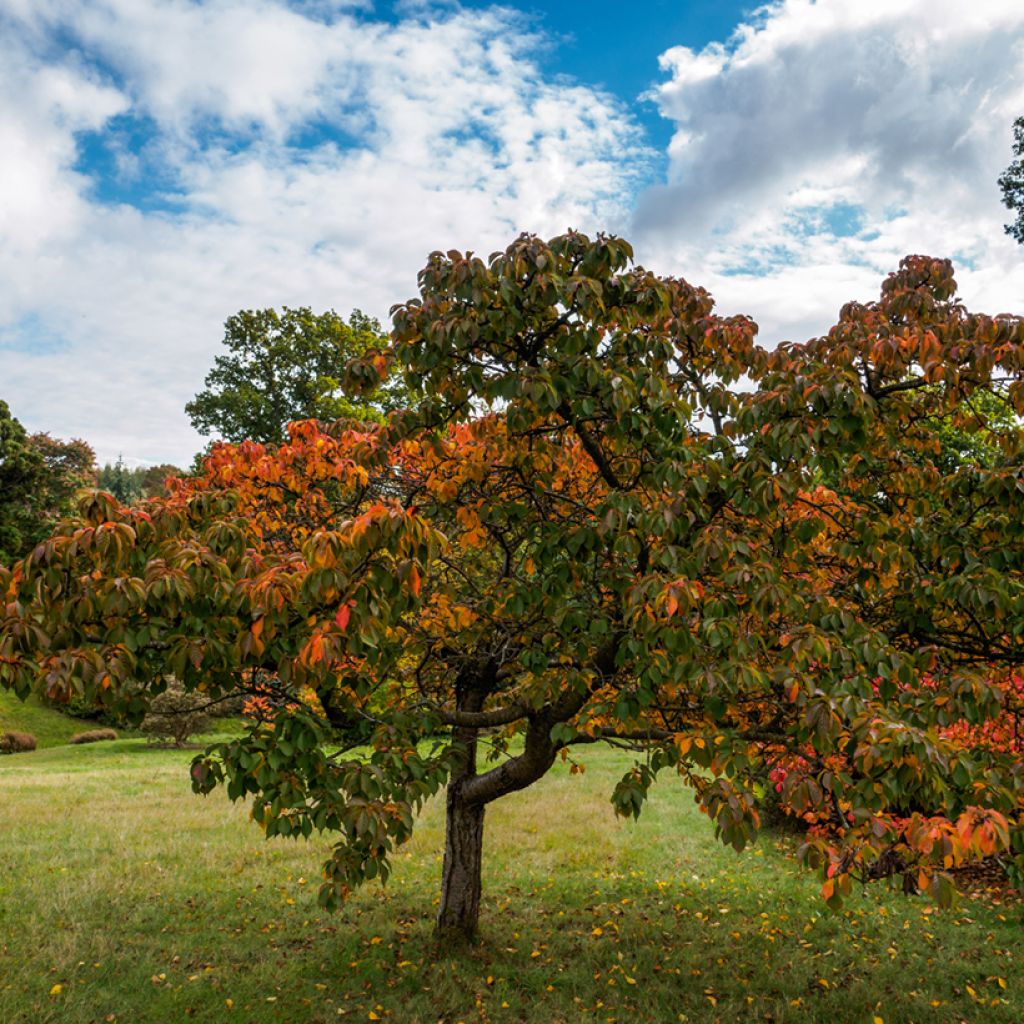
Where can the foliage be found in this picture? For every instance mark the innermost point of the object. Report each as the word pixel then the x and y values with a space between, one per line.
pixel 123 483
pixel 68 467
pixel 129 484
pixel 20 472
pixel 155 479
pixel 287 366
pixel 1012 183
pixel 604 522
pixel 82 707
pixel 16 742
pixel 174 716
pixel 39 477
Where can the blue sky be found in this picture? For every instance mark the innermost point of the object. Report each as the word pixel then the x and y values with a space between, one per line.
pixel 605 43
pixel 168 162
pixel 598 43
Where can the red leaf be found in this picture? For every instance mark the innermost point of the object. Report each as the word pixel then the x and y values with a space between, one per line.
pixel 342 617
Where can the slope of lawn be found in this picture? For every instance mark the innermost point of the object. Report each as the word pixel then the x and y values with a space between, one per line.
pixel 124 898
pixel 50 727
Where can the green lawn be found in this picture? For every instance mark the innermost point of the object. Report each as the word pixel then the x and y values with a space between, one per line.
pixel 144 903
pixel 49 727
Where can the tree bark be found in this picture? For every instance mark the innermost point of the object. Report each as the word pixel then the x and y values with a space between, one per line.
pixel 459 912
pixel 470 793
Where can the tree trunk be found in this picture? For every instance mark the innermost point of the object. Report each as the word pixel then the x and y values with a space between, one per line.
pixel 459 912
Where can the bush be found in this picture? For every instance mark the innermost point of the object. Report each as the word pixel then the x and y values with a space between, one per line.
pixel 93 736
pixel 16 742
pixel 78 707
pixel 175 716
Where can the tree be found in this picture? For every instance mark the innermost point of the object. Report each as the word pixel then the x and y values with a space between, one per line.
pixel 1011 181
pixel 128 485
pixel 39 478
pixel 602 522
pixel 68 467
pixel 123 483
pixel 154 479
pixel 175 716
pixel 287 366
pixel 21 469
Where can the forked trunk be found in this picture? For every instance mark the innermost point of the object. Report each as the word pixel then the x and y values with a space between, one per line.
pixel 467 799
pixel 459 912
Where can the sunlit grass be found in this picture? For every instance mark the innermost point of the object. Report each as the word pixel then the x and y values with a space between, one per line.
pixel 49 727
pixel 146 903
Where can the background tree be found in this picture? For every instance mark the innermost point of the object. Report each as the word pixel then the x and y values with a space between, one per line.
pixel 1012 183
pixel 287 366
pixel 590 528
pixel 129 484
pixel 154 479
pixel 69 466
pixel 123 483
pixel 176 715
pixel 21 471
pixel 39 478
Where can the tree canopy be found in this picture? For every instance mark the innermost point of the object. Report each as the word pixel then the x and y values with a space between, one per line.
pixel 287 366
pixel 39 477
pixel 609 517
pixel 1011 181
pixel 130 484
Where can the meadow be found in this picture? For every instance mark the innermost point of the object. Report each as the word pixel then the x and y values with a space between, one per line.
pixel 125 898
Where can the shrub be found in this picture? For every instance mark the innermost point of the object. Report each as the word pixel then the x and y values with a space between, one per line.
pixel 175 716
pixel 93 736
pixel 79 707
pixel 16 742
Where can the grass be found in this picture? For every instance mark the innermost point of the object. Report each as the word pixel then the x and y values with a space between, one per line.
pixel 50 727
pixel 124 898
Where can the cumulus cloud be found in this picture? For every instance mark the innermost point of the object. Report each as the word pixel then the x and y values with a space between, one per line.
pixel 262 154
pixel 168 162
pixel 827 139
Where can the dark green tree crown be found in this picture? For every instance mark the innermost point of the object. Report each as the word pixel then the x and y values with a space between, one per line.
pixel 288 366
pixel 1012 183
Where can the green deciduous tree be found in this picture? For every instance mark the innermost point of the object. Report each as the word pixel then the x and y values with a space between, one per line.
pixel 129 484
pixel 287 366
pixel 39 478
pixel 21 469
pixel 1012 183
pixel 69 466
pixel 602 522
pixel 154 479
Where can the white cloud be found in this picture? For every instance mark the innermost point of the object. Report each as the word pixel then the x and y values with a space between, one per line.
pixel 435 132
pixel 309 154
pixel 899 110
pixel 43 108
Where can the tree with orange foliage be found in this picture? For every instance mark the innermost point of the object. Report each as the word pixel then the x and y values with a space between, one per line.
pixel 605 521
